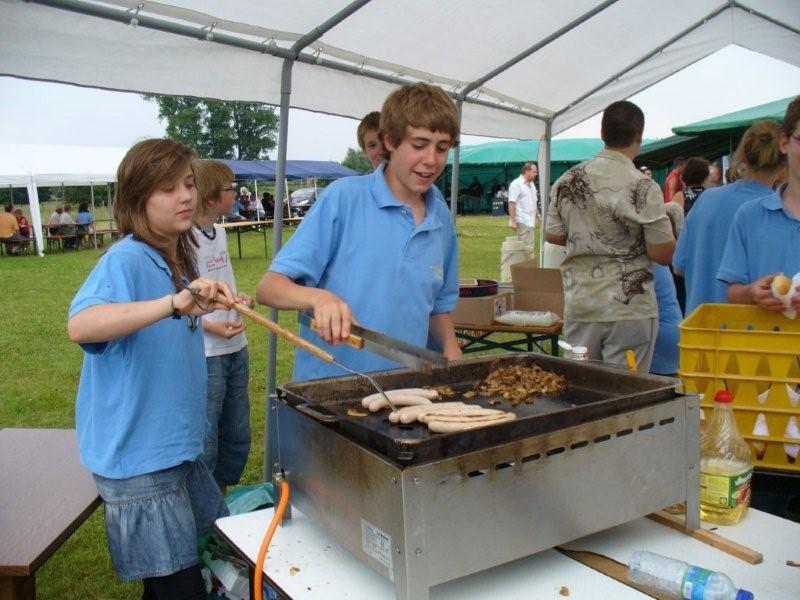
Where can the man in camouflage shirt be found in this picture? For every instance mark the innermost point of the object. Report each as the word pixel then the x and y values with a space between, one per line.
pixel 611 218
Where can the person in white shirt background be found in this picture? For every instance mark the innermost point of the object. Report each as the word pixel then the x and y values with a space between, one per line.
pixel 523 206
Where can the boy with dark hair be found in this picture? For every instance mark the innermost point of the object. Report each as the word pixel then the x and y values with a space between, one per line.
pixel 381 248
pixel 612 220
pixel 369 138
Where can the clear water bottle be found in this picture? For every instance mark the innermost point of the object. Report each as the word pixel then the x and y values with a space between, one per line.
pixel 681 581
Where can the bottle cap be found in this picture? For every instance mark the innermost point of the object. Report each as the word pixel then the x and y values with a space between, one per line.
pixel 723 396
pixel 744 595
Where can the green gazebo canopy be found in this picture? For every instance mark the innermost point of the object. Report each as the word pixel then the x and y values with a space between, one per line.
pixel 740 119
pixel 522 151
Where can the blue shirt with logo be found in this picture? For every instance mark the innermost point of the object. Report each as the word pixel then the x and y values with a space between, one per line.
pixel 702 240
pixel 361 243
pixel 141 398
pixel 764 239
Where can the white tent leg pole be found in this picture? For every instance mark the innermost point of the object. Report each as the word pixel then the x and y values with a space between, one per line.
pixel 280 192
pixel 277 227
pixel 454 173
pixel 255 191
pixel 544 182
pixel 36 214
pixel 288 200
pixel 91 194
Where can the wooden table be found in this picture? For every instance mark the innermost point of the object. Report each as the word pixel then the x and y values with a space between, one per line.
pixel 45 494
pixel 239 226
pixel 477 337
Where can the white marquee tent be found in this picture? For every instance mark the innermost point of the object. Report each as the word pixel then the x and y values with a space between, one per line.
pixel 517 69
pixel 35 165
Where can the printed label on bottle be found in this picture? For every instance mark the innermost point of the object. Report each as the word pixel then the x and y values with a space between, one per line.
pixel 694 583
pixel 725 491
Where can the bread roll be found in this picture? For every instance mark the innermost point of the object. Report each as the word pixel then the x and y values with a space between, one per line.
pixel 781 285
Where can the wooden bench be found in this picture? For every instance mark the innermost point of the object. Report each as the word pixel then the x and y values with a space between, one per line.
pixel 56 239
pixel 24 246
pixel 45 494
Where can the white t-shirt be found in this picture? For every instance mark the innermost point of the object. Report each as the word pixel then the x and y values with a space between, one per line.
pixel 214 262
pixel 523 195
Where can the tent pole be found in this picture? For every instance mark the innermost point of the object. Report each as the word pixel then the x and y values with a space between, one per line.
pixel 255 191
pixel 280 192
pixel 91 193
pixel 544 182
pixel 456 166
pixel 36 213
pixel 270 426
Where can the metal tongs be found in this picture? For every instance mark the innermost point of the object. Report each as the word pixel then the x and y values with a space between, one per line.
pixel 409 355
pixel 292 338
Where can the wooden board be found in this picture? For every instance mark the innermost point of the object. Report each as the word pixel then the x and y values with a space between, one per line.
pixel 607 566
pixel 708 537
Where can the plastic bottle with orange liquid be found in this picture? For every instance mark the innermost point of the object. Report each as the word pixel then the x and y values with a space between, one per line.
pixel 725 466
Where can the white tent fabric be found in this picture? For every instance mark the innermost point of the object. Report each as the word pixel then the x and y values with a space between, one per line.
pixel 33 165
pixel 53 165
pixel 580 63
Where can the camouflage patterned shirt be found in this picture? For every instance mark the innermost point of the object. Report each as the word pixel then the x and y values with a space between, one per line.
pixel 609 212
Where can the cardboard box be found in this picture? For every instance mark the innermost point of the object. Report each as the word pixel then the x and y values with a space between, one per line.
pixel 536 288
pixel 482 310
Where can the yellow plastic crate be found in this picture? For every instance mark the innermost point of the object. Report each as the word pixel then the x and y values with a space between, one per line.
pixel 755 354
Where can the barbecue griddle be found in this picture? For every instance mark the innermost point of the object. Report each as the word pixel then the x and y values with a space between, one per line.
pixel 595 390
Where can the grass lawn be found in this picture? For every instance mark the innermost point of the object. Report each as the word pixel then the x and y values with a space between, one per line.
pixel 40 371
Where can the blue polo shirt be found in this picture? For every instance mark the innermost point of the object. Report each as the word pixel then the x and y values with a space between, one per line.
pixel 361 243
pixel 141 398
pixel 764 239
pixel 665 352
pixel 702 240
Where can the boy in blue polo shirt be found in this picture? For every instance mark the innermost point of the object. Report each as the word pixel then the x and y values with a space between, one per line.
pixel 764 239
pixel 379 249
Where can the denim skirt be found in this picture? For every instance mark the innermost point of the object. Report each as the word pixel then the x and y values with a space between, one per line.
pixel 153 520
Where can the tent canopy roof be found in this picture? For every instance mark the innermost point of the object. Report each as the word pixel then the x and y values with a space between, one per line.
pixel 520 151
pixel 516 65
pixel 295 169
pixel 55 165
pixel 712 137
pixel 737 120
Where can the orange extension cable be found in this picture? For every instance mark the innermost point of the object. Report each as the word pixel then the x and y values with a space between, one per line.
pixel 258 590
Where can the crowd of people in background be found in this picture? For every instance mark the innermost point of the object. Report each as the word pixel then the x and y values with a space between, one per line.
pixel 733 238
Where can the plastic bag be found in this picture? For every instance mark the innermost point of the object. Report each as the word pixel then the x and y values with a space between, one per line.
pixel 529 318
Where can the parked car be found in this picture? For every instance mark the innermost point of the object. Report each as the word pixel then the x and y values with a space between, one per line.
pixel 303 199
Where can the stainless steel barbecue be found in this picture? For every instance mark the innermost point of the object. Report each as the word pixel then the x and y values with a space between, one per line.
pixel 424 508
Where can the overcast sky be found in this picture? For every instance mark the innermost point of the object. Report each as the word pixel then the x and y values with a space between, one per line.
pixel 49 113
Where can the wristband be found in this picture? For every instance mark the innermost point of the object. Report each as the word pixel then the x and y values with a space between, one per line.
pixel 175 312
